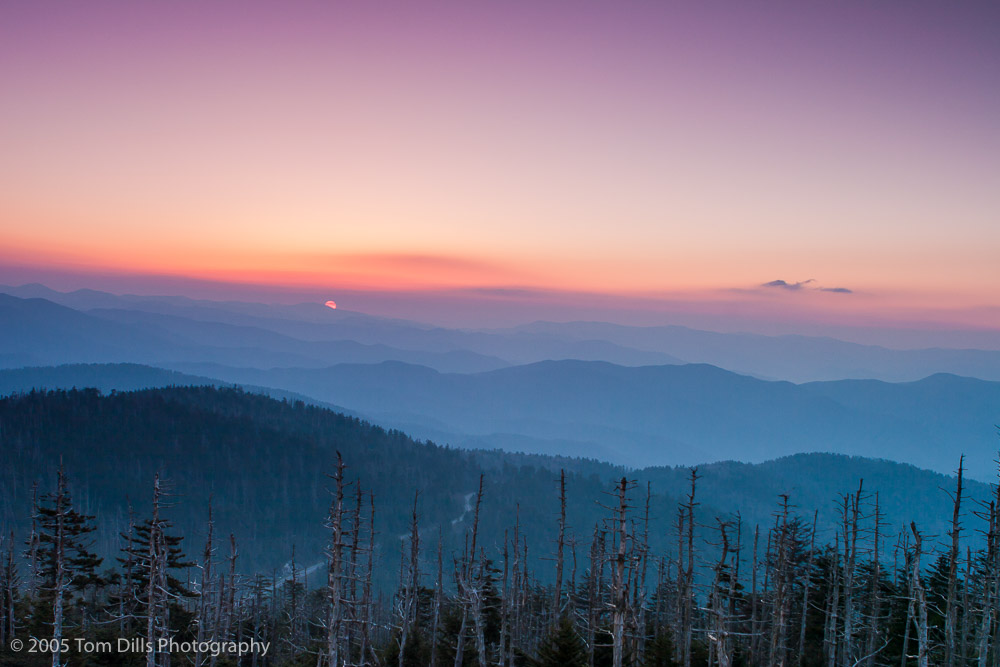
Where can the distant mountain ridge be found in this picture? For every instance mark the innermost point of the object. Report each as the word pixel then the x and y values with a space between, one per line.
pixel 658 415
pixel 108 378
pixel 645 416
pixel 589 389
pixel 162 331
pixel 312 335
pixel 788 357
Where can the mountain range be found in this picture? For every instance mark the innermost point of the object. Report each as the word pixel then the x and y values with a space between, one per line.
pixel 625 395
pixel 179 329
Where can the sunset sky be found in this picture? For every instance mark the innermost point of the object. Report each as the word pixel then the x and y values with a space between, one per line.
pixel 652 155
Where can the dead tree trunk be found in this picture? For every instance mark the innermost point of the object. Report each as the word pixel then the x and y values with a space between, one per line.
pixel 851 522
pixel 33 544
pixel 989 600
pixel 157 584
pixel 478 604
pixel 334 580
pixel 468 592
pixel 593 588
pixel 720 634
pixel 679 594
pixel 951 610
pixel 515 603
pixel 504 603
pixel 782 567
pixel 754 601
pixel 619 586
pixel 438 595
pixel 687 621
pixel 806 587
pixel 833 608
pixel 904 543
pixel 408 615
pixel 231 619
pixel 203 598
pixel 367 602
pixel 919 597
pixel 477 584
pixel 639 604
pixel 353 564
pixel 60 575
pixel 876 597
pixel 560 541
pixel 963 637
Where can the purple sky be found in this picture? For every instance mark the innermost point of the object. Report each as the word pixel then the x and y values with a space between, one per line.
pixel 645 157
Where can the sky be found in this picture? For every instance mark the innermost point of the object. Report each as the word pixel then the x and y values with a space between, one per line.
pixel 832 163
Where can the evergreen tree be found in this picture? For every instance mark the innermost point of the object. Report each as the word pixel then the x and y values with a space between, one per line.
pixel 135 562
pixel 563 647
pixel 65 564
pixel 55 514
pixel 660 652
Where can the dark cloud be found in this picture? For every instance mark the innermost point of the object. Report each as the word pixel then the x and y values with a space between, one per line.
pixel 786 285
pixel 794 287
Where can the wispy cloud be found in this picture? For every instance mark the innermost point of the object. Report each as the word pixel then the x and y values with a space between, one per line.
pixel 787 285
pixel 805 285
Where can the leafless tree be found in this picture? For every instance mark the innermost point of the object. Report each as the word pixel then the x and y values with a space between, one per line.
pixel 951 610
pixel 918 598
pixel 334 566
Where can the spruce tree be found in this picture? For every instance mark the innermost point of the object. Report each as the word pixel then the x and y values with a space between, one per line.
pixel 563 647
pixel 57 520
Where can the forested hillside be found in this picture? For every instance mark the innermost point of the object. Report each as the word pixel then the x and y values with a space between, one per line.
pixel 656 415
pixel 655 564
pixel 265 463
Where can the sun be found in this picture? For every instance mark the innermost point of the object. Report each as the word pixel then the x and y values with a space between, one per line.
pixel 331 304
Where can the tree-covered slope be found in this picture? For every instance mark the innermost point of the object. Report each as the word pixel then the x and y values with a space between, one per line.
pixel 663 415
pixel 264 463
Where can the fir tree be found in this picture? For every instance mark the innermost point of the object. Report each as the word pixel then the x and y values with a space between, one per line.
pixel 563 647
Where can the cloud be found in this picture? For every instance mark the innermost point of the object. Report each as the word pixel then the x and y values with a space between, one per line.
pixel 804 284
pixel 786 285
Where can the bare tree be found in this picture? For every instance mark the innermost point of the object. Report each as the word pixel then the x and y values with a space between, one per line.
pixel 204 597
pixel 156 591
pixel 851 519
pixel 33 543
pixel 60 576
pixel 687 593
pixel 719 635
pixel 408 611
pixel 875 593
pixel 560 542
pixel 438 595
pixel 593 590
pixel 334 565
pixel 806 588
pixel 782 566
pixel 619 582
pixel 918 597
pixel 367 651
pixel 951 611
